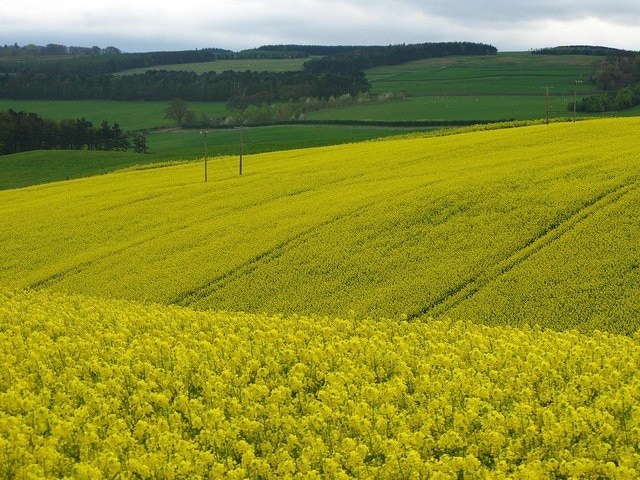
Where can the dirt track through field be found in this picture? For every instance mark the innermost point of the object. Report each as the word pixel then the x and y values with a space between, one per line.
pixel 455 296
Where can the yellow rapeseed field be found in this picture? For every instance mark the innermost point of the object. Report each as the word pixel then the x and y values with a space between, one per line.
pixel 93 388
pixel 464 306
pixel 512 226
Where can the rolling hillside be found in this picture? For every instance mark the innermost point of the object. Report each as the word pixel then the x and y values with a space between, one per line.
pixel 514 226
pixel 153 325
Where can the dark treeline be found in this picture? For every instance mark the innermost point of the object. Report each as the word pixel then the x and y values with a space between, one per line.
pixel 617 71
pixel 578 50
pixel 360 58
pixel 272 51
pixel 285 51
pixel 295 51
pixel 109 63
pixel 54 59
pixel 240 87
pixel 618 76
pixel 611 101
pixel 52 50
pixel 21 132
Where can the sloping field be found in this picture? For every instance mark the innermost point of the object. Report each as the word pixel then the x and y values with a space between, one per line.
pixel 491 87
pixel 530 225
pixel 514 226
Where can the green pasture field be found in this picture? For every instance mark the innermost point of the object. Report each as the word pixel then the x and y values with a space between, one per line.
pixel 189 143
pixel 36 167
pixel 511 73
pixel 509 85
pixel 452 107
pixel 240 65
pixel 178 145
pixel 480 108
pixel 136 115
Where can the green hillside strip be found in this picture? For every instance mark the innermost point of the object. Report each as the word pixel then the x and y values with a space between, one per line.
pixel 238 65
pixel 451 108
pixel 134 115
pixel 522 225
pixel 36 167
pixel 493 87
pixel 517 73
pixel 179 145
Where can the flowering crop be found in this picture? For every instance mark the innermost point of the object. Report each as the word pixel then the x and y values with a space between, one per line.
pixel 94 388
pixel 599 285
pixel 522 225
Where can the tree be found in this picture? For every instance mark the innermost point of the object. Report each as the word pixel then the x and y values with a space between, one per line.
pixel 85 134
pixel 55 49
pixel 139 143
pixel 119 140
pixel 177 110
pixel 103 137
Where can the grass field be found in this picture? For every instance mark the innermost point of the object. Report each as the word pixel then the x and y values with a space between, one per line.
pixel 504 86
pixel 32 168
pixel 507 73
pixel 189 144
pixel 450 107
pixel 219 66
pixel 130 115
pixel 178 145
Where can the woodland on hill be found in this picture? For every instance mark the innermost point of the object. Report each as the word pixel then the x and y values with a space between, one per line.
pixel 59 72
pixel 93 76
pixel 617 76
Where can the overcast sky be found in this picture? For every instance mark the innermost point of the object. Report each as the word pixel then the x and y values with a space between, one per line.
pixel 142 25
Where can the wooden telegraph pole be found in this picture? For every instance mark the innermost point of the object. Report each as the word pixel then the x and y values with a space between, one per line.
pixel 547 102
pixel 241 146
pixel 575 98
pixel 205 132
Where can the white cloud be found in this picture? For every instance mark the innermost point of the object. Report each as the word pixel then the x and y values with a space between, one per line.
pixel 145 25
